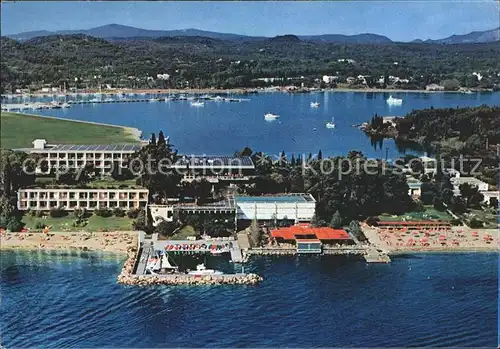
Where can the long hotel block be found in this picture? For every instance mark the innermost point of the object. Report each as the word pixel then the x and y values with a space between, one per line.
pixel 90 199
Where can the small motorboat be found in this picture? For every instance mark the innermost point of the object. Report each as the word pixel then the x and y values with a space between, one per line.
pixel 314 105
pixel 270 116
pixel 394 101
pixel 330 125
pixel 197 104
pixel 202 270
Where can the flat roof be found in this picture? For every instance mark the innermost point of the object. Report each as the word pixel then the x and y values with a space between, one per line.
pixel 285 198
pixel 300 232
pixel 91 147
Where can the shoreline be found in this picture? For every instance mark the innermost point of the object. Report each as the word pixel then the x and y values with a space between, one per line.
pixel 250 90
pixel 133 132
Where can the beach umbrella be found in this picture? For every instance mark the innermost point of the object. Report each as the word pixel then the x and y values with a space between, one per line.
pixel 475 233
pixel 442 237
pixel 424 240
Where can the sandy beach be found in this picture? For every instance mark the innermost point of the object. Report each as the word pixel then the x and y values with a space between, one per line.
pixel 458 239
pixel 117 242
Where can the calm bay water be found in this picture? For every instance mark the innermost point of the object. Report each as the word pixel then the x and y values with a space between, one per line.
pixel 423 300
pixel 220 128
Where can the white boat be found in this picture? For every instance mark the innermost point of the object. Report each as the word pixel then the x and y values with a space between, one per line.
pixel 218 99
pixel 270 116
pixel 153 264
pixel 202 270
pixel 109 99
pixel 314 104
pixel 154 100
pixel 217 252
pixel 331 124
pixel 394 101
pixel 197 104
pixel 65 105
pixel 95 100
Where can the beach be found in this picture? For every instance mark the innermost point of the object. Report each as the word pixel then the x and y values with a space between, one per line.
pixel 117 242
pixel 457 239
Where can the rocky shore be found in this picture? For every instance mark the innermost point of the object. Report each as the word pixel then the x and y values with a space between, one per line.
pixel 127 277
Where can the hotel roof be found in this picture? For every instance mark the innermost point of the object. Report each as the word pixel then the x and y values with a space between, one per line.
pixel 96 147
pixel 302 232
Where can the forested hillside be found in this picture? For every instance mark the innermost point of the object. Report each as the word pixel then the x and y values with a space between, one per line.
pixel 206 62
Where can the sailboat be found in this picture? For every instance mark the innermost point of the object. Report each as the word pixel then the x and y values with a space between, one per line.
pixel 331 124
pixel 165 264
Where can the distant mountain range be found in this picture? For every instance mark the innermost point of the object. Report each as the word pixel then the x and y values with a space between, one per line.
pixel 126 32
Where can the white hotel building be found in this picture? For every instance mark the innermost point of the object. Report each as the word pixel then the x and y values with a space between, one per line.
pixel 67 198
pixel 77 156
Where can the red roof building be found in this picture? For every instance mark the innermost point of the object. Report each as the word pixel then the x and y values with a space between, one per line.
pixel 302 231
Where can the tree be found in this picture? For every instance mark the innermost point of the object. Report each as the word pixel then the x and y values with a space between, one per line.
pixel 161 139
pixel 471 195
pixel 446 195
pixel 438 204
pixel 255 233
pixel 165 228
pixel 356 231
pixel 244 152
pixel 320 155
pixel 14 224
pixel 17 171
pixel 153 139
pixel 457 205
pixel 336 221
pixel 140 222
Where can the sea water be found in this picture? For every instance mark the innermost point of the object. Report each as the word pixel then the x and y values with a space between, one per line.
pixel 54 300
pixel 221 128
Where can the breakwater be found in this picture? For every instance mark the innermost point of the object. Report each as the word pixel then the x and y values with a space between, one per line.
pixel 128 277
pixel 186 279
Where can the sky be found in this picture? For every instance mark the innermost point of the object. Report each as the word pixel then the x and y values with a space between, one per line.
pixel 402 20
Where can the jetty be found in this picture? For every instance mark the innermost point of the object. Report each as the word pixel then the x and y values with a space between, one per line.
pixel 134 271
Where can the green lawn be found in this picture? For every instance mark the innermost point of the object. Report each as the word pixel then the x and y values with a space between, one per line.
pixel 430 213
pixel 19 131
pixel 184 232
pixel 95 223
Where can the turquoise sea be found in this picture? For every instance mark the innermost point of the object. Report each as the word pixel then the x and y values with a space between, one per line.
pixel 435 300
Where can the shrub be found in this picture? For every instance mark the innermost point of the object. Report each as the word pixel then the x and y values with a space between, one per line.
pixel 103 212
pixel 133 213
pixel 455 221
pixel 118 212
pixel 14 224
pixel 57 212
pixel 79 213
pixel 372 220
pixel 39 225
pixel 475 223
pixel 38 214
